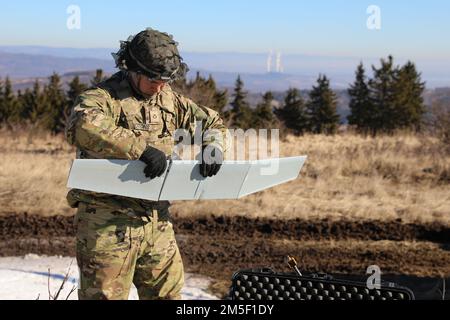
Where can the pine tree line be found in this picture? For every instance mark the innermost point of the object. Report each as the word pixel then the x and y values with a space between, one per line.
pixel 44 106
pixel 317 115
pixel 390 100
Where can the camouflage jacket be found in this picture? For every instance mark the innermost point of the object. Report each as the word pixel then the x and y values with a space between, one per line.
pixel 111 121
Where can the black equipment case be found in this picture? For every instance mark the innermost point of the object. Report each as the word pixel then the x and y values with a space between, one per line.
pixel 265 284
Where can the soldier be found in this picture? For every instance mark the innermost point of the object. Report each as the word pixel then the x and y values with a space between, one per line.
pixel 133 115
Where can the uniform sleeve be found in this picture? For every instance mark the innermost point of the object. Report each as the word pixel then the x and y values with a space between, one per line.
pixel 92 128
pixel 190 115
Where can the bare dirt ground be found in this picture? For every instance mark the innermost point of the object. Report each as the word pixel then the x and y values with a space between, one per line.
pixel 219 246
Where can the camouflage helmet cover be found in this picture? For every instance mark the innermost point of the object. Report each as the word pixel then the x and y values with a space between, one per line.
pixel 152 53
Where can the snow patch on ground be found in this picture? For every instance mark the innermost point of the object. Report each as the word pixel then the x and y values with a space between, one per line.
pixel 26 278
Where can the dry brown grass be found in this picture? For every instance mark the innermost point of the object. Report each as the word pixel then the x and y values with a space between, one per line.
pixel 350 176
pixel 33 173
pixel 346 176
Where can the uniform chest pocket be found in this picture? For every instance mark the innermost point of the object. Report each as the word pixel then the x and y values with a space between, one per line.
pixel 131 121
pixel 130 115
pixel 151 122
pixel 142 120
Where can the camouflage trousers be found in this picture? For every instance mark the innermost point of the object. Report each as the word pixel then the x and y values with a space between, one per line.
pixel 115 250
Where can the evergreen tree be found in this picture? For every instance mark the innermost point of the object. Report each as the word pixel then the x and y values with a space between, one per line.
pixel 99 77
pixel 54 106
pixel 240 115
pixel 396 96
pixel 17 115
pixel 383 97
pixel 75 89
pixel 409 104
pixel 26 100
pixel 293 112
pixel 220 98
pixel 10 110
pixel 321 107
pixel 36 105
pixel 264 117
pixel 360 103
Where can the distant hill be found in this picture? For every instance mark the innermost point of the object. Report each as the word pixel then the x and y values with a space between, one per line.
pixel 24 83
pixel 93 53
pixel 300 70
pixel 268 81
pixel 25 67
pixel 20 65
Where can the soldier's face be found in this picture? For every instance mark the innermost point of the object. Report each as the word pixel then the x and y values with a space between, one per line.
pixel 146 86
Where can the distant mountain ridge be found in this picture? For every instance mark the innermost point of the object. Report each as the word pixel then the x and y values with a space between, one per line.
pixel 94 53
pixel 301 71
pixel 21 65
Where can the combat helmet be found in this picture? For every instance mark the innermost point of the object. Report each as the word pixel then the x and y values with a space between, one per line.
pixel 152 53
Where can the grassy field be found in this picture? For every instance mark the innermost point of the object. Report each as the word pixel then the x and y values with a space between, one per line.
pixel 348 176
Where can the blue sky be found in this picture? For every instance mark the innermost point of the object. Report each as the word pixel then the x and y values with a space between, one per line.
pixel 409 28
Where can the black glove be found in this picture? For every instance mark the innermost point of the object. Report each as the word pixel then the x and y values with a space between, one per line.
pixel 156 162
pixel 212 158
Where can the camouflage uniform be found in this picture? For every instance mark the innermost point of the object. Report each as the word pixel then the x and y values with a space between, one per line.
pixel 122 240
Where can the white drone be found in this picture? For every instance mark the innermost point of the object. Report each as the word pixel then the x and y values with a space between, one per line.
pixel 182 179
